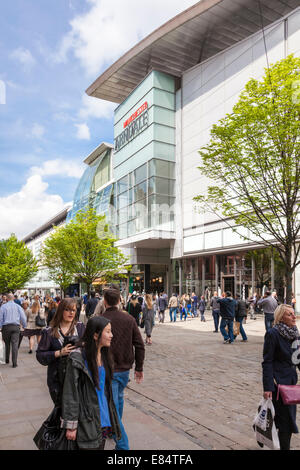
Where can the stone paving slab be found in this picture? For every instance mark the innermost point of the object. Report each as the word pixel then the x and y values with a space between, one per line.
pixel 197 394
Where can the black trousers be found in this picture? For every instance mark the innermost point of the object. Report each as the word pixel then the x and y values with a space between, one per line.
pixel 284 440
pixel 10 335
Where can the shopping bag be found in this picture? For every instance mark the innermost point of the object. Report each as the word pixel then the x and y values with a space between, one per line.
pixel 264 425
pixel 2 350
pixel 236 328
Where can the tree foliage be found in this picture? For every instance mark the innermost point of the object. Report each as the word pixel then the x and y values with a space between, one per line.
pixel 17 264
pixel 253 159
pixel 85 249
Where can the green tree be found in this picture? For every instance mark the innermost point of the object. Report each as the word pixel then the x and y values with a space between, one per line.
pixel 253 161
pixel 54 258
pixel 17 264
pixel 85 249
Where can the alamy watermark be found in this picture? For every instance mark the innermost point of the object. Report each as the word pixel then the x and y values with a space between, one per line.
pixel 2 92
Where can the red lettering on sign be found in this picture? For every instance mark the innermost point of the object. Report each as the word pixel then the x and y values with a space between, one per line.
pixel 136 114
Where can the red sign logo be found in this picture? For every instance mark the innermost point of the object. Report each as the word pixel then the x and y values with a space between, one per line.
pixel 136 114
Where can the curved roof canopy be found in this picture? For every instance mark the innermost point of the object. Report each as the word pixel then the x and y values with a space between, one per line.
pixel 208 27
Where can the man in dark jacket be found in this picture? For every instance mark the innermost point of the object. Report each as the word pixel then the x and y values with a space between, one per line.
pixel 227 312
pixel 215 310
pixel 162 305
pixel 127 347
pixel 91 305
pixel 240 314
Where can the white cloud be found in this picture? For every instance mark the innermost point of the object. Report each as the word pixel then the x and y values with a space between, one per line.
pixel 23 56
pixel 26 210
pixel 100 36
pixel 83 131
pixel 37 131
pixel 60 168
pixel 95 108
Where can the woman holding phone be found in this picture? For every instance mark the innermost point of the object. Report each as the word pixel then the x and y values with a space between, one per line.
pixel 56 343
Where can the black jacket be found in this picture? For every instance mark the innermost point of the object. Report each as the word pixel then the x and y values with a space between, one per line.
pixel 134 311
pixel 80 405
pixel 90 306
pixel 241 309
pixel 45 355
pixel 278 365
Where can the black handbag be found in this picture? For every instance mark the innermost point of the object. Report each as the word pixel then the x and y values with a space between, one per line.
pixel 39 321
pixel 51 436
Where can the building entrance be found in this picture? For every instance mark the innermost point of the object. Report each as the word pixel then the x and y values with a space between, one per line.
pixel 228 284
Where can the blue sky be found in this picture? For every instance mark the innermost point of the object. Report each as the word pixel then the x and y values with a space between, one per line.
pixel 51 51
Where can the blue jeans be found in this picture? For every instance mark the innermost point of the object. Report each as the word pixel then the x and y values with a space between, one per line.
pixel 229 335
pixel 242 331
pixel 216 317
pixel 173 310
pixel 119 383
pixel 269 320
pixel 183 312
pixel 194 309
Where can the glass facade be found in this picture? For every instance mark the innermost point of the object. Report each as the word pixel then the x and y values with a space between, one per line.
pixel 145 199
pixel 88 192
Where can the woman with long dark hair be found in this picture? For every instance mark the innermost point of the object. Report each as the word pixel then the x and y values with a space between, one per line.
pixel 88 411
pixel 56 344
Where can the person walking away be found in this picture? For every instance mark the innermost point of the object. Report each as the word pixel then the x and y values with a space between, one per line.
pixel 17 300
pixel 99 310
pixel 280 343
pixel 227 312
pixel 134 309
pixel 269 304
pixel 148 315
pixel 56 343
pixel 194 304
pixel 215 306
pixel 155 307
pixel 173 306
pixel 88 411
pixel 240 315
pixel 127 348
pixel 183 308
pixel 52 305
pixel 162 305
pixel 11 317
pixel 189 305
pixel 202 307
pixel 91 305
pixel 32 330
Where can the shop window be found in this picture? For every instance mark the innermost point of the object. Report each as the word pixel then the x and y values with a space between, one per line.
pixel 122 185
pixel 140 191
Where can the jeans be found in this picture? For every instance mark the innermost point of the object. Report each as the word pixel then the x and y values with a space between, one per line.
pixel 119 383
pixel 229 324
pixel 202 315
pixel 183 312
pixel 161 316
pixel 242 331
pixel 269 320
pixel 216 317
pixel 173 310
pixel 194 310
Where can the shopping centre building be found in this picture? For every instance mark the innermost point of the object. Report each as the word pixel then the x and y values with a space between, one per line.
pixel 170 89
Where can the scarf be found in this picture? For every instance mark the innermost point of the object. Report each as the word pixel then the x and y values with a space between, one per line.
pixel 291 334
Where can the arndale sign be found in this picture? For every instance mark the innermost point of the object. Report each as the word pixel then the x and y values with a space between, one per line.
pixel 133 126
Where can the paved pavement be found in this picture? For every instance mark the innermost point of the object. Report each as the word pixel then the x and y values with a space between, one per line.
pixel 197 394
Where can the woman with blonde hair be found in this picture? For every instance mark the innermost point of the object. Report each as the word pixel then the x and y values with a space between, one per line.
pixel 32 330
pixel 148 317
pixel 279 367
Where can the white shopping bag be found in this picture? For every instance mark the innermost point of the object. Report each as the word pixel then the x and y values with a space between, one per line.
pixel 264 425
pixel 2 350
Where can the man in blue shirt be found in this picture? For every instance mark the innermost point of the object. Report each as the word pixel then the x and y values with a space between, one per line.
pixel 11 316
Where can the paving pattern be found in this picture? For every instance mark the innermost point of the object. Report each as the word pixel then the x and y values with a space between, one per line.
pixel 197 394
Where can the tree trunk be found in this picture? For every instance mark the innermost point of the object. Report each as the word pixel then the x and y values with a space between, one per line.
pixel 288 277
